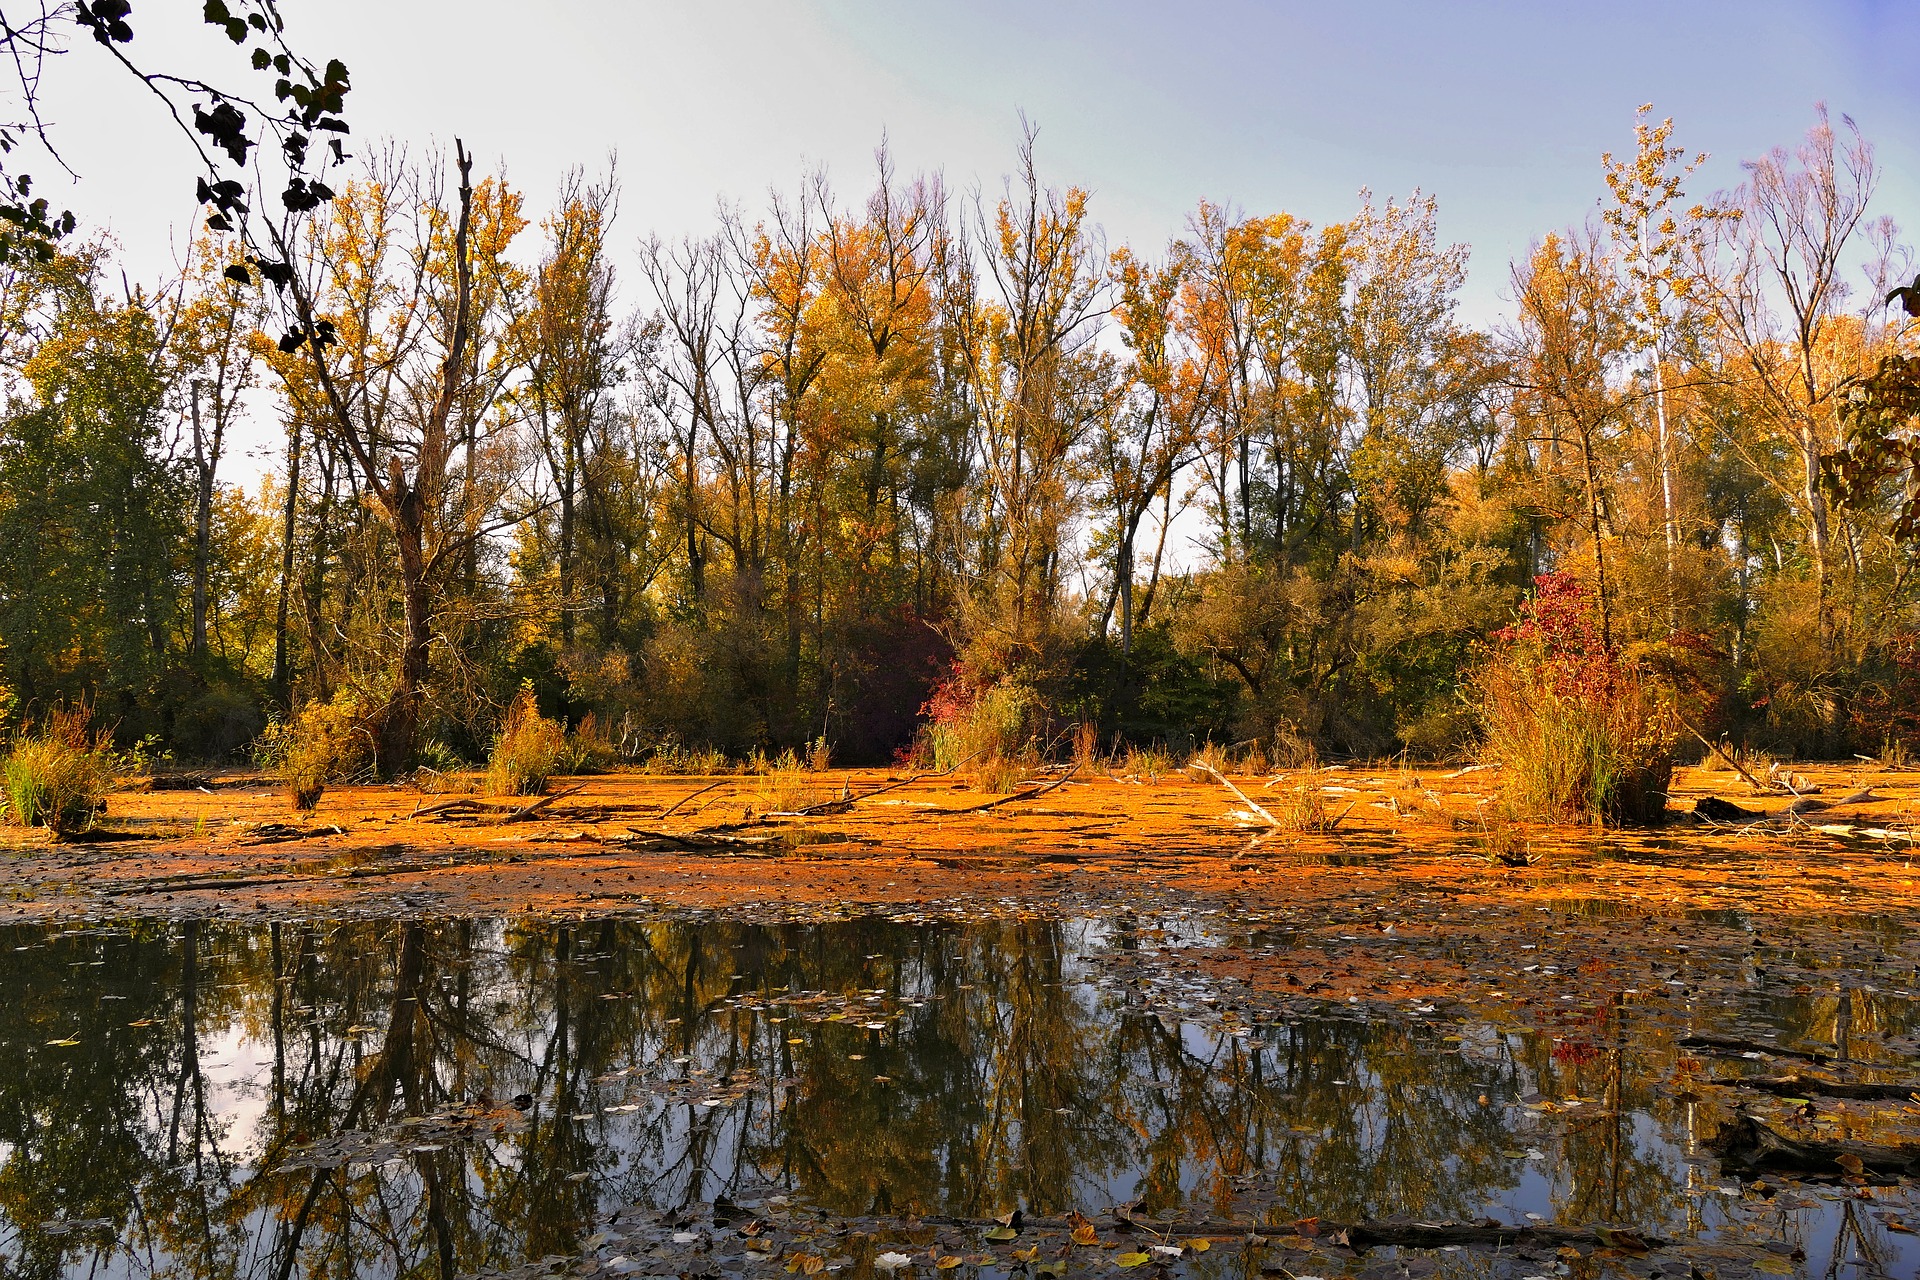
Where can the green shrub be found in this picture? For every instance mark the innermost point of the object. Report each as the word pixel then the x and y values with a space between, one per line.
pixel 326 742
pixel 59 777
pixel 1583 735
pixel 528 751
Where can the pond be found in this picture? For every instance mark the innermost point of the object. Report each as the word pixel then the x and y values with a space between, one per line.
pixel 713 1097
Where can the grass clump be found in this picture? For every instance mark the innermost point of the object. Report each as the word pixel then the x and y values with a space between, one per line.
pixel 1583 734
pixel 787 783
pixel 58 777
pixel 673 760
pixel 527 752
pixel 995 730
pixel 326 742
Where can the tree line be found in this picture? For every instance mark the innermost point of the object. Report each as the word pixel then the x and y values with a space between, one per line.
pixel 790 479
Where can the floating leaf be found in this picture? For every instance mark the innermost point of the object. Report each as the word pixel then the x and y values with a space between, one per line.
pixel 1084 1234
pixel 1002 1233
pixel 1199 1244
pixel 948 1262
pixel 63 1044
pixel 1127 1261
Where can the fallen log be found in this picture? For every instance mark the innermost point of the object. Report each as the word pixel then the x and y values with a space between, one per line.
pixel 1746 1145
pixel 1714 809
pixel 513 810
pixel 702 840
pixel 526 811
pixel 1820 1087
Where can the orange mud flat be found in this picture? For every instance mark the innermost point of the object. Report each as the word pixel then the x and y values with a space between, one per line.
pixel 873 841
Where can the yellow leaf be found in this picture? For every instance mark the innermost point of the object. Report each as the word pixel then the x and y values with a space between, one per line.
pixel 1128 1260
pixel 1084 1234
pixel 948 1262
pixel 63 1043
pixel 1199 1244
pixel 1002 1233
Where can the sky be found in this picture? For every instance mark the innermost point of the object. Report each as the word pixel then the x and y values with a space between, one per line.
pixel 1499 110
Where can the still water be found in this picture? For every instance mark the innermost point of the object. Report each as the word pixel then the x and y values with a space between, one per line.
pixel 446 1098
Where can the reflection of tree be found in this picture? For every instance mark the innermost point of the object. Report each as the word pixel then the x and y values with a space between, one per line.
pixel 1004 1077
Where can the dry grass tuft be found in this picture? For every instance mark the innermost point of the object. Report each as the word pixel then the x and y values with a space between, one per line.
pixel 326 742
pixel 528 751
pixel 59 777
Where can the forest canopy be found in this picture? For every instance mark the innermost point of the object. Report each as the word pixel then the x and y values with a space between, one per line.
pixel 854 457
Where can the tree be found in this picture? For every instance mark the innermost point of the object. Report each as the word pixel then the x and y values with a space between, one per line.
pixel 1656 243
pixel 1777 306
pixel 404 383
pixel 1149 436
pixel 1037 383
pixel 90 506
pixel 215 347
pixel 1571 341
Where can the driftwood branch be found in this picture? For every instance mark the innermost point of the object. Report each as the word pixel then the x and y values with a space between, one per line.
pixel 1732 764
pixel 1028 794
pixel 1245 799
pixel 695 796
pixel 1734 1044
pixel 513 811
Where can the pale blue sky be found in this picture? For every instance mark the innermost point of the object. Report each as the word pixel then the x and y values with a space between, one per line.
pixel 1499 109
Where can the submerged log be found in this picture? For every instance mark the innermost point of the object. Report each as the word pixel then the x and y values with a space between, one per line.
pixel 1746 1145
pixel 1820 1087
pixel 1358 1236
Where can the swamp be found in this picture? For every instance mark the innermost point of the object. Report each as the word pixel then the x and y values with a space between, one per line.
pixel 1061 1036
pixel 659 639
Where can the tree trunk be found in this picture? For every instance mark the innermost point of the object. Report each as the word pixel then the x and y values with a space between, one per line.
pixel 282 672
pixel 1593 531
pixel 1670 522
pixel 567 574
pixel 401 718
pixel 1817 536
pixel 205 459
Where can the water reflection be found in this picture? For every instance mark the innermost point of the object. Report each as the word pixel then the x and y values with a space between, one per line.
pixel 427 1098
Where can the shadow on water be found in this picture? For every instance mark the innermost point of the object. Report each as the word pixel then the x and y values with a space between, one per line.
pixel 431 1098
